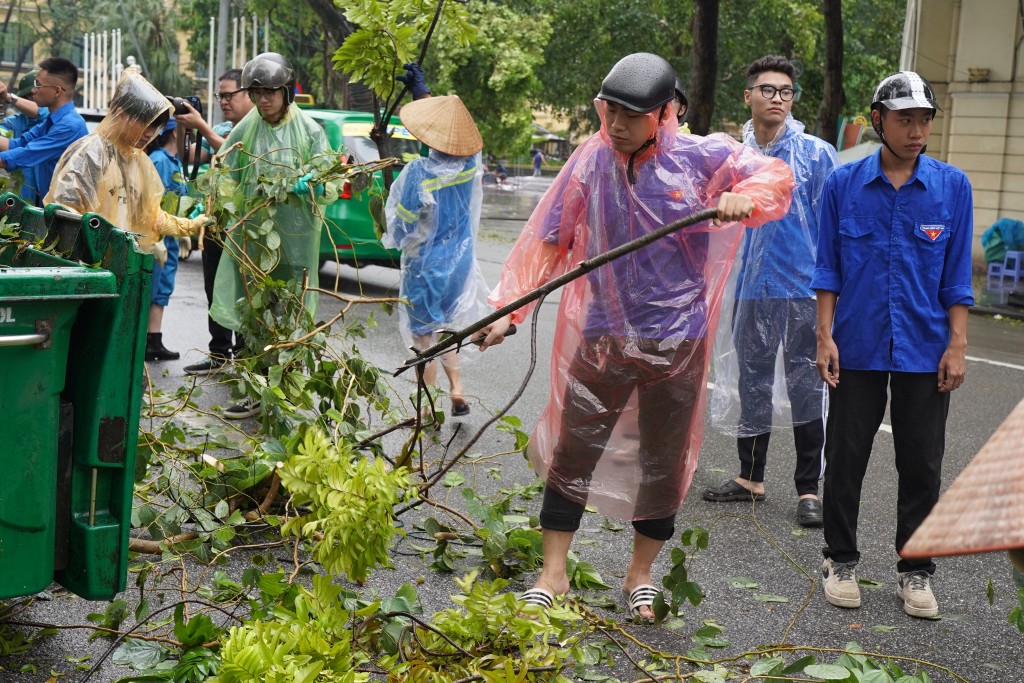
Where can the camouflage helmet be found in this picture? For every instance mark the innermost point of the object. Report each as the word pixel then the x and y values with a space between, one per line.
pixel 904 90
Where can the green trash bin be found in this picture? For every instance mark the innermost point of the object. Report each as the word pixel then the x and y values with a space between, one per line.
pixel 72 344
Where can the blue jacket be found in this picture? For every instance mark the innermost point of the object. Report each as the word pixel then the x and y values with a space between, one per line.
pixel 898 259
pixel 778 258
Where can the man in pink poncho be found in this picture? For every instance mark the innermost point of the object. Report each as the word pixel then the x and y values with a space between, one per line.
pixel 624 423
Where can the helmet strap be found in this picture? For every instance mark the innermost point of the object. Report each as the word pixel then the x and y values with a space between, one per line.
pixel 630 174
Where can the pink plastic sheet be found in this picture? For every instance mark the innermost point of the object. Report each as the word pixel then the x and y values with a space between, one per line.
pixel 624 422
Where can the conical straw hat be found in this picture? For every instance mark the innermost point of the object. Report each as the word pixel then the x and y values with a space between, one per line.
pixel 444 124
pixel 983 510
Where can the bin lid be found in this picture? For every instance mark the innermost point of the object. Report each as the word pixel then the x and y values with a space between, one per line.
pixel 72 282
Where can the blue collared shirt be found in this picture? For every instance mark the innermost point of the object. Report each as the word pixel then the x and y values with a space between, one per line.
pixel 778 258
pixel 42 146
pixel 898 259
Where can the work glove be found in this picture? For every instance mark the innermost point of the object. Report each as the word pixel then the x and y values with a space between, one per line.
pixel 414 80
pixel 197 222
pixel 302 186
pixel 160 251
pixel 184 246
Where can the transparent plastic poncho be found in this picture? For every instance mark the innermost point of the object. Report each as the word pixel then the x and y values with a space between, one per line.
pixel 105 172
pixel 264 150
pixel 624 422
pixel 433 216
pixel 763 365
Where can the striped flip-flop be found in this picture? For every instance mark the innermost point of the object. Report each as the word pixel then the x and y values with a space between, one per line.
pixel 641 596
pixel 538 596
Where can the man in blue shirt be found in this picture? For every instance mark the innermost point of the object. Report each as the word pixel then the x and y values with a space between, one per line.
pixel 893 279
pixel 29 114
pixel 41 147
pixel 775 306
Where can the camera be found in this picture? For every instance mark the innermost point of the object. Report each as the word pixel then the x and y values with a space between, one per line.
pixel 179 104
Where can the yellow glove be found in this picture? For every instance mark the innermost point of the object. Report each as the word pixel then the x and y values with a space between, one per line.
pixel 160 251
pixel 185 245
pixel 194 224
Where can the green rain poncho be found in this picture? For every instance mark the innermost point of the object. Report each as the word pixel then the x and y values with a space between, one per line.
pixel 291 144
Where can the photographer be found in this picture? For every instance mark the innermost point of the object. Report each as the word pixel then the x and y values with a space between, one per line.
pixel 234 104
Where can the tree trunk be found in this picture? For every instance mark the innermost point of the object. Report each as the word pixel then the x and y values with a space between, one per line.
pixel 704 66
pixel 833 98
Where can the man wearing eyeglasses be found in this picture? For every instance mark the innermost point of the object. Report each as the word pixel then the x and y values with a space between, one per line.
pixel 234 104
pixel 775 307
pixel 40 148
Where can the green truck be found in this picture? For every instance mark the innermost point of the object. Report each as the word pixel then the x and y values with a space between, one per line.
pixel 349 237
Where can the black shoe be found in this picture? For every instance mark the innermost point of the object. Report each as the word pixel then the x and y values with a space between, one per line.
pixel 206 367
pixel 459 407
pixel 247 407
pixel 730 491
pixel 155 349
pixel 808 512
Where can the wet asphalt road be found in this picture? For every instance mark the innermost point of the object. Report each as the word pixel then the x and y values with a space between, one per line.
pixel 764 545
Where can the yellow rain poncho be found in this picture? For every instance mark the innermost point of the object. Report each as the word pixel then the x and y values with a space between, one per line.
pixel 265 149
pixel 106 173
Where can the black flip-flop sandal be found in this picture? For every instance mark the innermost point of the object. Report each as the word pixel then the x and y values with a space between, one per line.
pixel 731 491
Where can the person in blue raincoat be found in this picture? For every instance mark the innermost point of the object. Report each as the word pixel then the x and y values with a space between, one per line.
pixel 163 151
pixel 433 213
pixel 775 309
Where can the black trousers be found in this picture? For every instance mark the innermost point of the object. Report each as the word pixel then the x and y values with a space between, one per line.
pixel 856 409
pixel 809 439
pixel 223 342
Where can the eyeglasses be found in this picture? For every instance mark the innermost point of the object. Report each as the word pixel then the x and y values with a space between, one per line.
pixel 257 91
pixel 225 96
pixel 37 84
pixel 786 94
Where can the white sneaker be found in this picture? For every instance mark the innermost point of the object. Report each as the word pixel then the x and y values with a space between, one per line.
pixel 839 581
pixel 915 590
pixel 247 407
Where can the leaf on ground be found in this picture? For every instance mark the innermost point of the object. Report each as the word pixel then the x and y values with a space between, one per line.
pixel 453 479
pixel 770 598
pixel 828 672
pixel 742 582
pixel 798 532
pixel 883 628
pixel 612 525
pixel 870 583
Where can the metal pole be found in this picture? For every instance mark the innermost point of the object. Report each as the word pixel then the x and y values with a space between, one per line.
pixel 242 23
pixel 234 42
pixel 222 52
pixel 266 34
pixel 85 71
pixel 255 34
pixel 210 77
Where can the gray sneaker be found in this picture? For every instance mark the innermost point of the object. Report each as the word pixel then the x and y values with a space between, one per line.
pixel 839 581
pixel 915 590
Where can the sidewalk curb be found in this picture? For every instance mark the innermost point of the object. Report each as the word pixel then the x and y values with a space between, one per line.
pixel 1011 313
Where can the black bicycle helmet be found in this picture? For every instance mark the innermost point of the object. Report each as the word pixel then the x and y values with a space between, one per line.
pixel 904 90
pixel 681 93
pixel 269 70
pixel 641 82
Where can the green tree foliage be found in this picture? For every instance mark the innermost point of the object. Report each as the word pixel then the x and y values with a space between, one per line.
pixel 148 32
pixel 589 36
pixel 496 75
